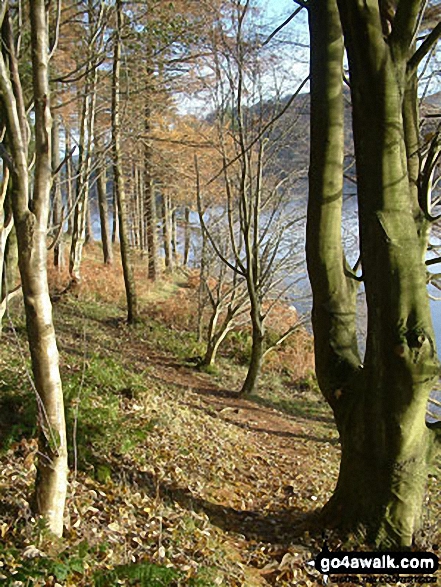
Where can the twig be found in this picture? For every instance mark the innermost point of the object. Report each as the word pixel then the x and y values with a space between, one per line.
pixel 279 28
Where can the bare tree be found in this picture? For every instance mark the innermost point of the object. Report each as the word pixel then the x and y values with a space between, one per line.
pixel 259 208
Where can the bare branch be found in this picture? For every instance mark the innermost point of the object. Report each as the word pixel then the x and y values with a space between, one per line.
pixel 262 132
pixel 7 159
pixel 204 226
pixel 406 24
pixel 65 160
pixel 286 335
pixel 284 23
pixel 425 47
pixel 57 31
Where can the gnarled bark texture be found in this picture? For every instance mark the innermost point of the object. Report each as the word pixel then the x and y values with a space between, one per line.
pixel 380 408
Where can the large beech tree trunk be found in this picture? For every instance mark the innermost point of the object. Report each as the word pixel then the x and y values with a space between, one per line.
pixel 379 407
pixel 31 226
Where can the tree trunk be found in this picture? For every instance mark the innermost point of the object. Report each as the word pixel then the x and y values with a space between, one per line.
pixel 6 226
pixel 167 232
pixel 89 222
pixel 257 349
pixel 31 226
pixel 187 236
pixel 215 338
pixel 82 230
pixel 411 123
pixel 56 190
pixel 104 212
pixel 150 201
pixel 82 183
pixel 11 272
pixel 380 409
pixel 129 281
pixel 401 362
pixel 114 218
pixel 141 212
pixel 69 181
pixel 174 236
pixel 333 288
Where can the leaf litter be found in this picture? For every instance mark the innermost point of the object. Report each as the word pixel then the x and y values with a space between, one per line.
pixel 218 489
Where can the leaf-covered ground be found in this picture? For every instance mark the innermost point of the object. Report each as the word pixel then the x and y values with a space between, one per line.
pixel 174 479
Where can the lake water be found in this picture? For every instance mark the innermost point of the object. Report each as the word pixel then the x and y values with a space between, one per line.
pixel 300 295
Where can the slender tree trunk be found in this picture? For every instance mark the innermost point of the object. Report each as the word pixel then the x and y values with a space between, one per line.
pixel 104 211
pixel 135 207
pixel 133 211
pixel 187 235
pixel 114 218
pixel 174 235
pixel 89 222
pixel 257 349
pixel 82 184
pixel 129 281
pixel 69 181
pixel 6 226
pixel 167 232
pixel 141 212
pixel 201 287
pixel 56 190
pixel 215 337
pixel 31 225
pixel 150 200
pixel 11 272
pixel 82 223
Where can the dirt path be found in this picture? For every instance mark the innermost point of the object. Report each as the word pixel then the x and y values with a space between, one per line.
pixel 262 494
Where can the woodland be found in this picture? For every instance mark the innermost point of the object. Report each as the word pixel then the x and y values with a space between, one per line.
pixel 219 245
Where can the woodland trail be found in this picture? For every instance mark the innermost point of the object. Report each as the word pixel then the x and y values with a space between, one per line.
pixel 174 468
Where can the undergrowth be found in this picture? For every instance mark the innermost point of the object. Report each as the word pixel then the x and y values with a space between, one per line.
pixel 173 481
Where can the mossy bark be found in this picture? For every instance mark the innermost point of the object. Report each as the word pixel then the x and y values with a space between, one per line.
pixel 334 288
pixel 380 408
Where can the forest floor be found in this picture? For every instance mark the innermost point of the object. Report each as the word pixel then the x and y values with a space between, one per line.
pixel 175 480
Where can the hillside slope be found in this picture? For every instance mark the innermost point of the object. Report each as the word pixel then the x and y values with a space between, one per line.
pixel 174 479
